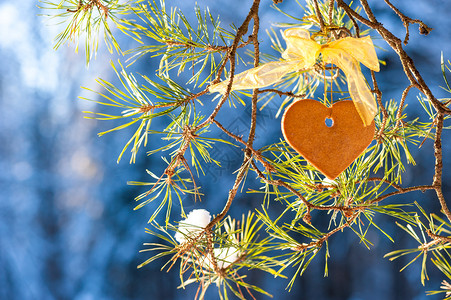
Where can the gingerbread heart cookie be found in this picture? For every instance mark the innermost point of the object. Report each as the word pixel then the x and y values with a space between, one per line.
pixel 331 147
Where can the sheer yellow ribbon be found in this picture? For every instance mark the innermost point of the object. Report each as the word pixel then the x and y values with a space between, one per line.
pixel 302 52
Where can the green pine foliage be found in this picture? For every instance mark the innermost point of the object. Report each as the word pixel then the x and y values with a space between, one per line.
pixel 221 252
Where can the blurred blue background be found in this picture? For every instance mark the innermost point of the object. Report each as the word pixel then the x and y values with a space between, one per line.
pixel 67 225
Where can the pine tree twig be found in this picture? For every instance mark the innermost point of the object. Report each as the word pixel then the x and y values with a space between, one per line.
pixel 342 32
pixel 210 251
pixel 424 29
pixel 320 242
pixel 368 11
pixel 433 124
pixel 221 68
pixel 396 186
pixel 401 105
pixel 196 189
pixel 207 48
pixel 319 16
pixel 331 10
pixel 89 5
pixel 440 238
pixel 425 247
pixel 79 6
pixel 232 193
pixel 409 67
pixel 308 205
pixel 354 23
pixel 253 14
pixel 147 108
pixel 177 160
pixel 280 93
pixel 231 57
pixel 437 181
pixel 422 188
pixel 282 183
pixel 257 154
pixel 378 93
pixel 189 245
pixel 250 140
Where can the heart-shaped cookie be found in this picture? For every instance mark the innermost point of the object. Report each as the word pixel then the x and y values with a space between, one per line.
pixel 331 149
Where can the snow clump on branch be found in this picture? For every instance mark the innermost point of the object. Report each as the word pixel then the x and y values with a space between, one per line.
pixel 224 257
pixel 194 223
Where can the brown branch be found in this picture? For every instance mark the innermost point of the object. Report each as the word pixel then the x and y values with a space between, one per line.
pixel 210 250
pixel 280 93
pixel 424 29
pixel 441 238
pixel 331 9
pixel 344 209
pixel 221 68
pixel 398 187
pixel 232 193
pixel 409 67
pixel 250 140
pixel 177 160
pixel 437 181
pixel 208 48
pixel 89 5
pixel 253 14
pixel 325 237
pixel 309 205
pixel 354 22
pixel 147 108
pixel 100 6
pixel 416 80
pixel 282 183
pixel 422 188
pixel 319 16
pixel 239 139
pixel 401 105
pixel 342 32
pixel 79 6
pixel 378 93
pixel 196 189
pixel 231 57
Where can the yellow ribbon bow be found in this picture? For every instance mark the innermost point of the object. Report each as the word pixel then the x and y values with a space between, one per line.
pixel 302 52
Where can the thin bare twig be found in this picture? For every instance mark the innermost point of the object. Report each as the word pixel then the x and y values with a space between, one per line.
pixel 208 48
pixel 231 57
pixel 253 14
pixel 147 108
pixel 280 93
pixel 331 10
pixel 409 67
pixel 437 181
pixel 396 186
pixel 308 205
pixel 441 238
pixel 422 188
pixel 424 29
pixel 401 105
pixel 319 16
pixel 378 93
pixel 325 237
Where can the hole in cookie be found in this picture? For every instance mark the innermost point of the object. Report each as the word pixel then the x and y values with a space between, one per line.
pixel 329 122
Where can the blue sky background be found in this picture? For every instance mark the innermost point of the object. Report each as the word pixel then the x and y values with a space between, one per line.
pixel 67 225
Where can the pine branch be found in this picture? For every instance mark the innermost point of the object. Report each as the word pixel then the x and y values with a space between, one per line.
pixel 352 200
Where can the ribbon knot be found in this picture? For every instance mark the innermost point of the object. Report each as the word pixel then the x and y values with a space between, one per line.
pixel 302 53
